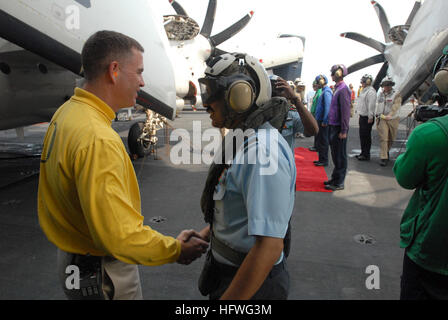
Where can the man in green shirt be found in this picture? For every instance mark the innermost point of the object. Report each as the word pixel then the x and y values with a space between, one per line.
pixel 313 109
pixel 424 226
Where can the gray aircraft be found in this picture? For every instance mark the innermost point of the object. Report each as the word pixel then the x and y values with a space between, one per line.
pixel 410 50
pixel 41 41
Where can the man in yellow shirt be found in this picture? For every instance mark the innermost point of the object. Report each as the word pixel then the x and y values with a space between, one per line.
pixel 88 198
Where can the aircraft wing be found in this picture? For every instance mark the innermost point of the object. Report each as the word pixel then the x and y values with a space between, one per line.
pixel 283 55
pixel 57 31
pixel 282 51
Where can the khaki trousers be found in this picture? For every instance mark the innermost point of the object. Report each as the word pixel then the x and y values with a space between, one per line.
pixel 387 131
pixel 121 281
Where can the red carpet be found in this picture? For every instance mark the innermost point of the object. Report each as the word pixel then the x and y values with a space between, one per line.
pixel 309 177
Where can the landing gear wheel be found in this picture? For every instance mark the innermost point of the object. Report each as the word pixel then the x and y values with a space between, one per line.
pixel 136 146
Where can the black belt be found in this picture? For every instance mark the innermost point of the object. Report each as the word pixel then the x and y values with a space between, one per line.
pixel 230 271
pixel 234 256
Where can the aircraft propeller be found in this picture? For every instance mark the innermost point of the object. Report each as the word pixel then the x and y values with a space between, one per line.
pixel 207 26
pixel 393 37
pixel 178 8
pixel 209 19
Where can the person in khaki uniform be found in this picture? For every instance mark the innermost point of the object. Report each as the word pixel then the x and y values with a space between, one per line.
pixel 388 104
pixel 352 104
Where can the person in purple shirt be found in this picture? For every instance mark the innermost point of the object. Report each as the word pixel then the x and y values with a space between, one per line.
pixel 321 115
pixel 338 120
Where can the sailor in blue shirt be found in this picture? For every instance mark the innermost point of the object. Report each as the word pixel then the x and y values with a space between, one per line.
pixel 248 197
pixel 321 115
pixel 293 123
pixel 255 199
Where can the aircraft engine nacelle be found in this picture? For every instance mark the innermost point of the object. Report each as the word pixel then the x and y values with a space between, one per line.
pixel 180 104
pixel 45 29
pixel 189 64
pixel 284 51
pixel 182 73
pixel 182 85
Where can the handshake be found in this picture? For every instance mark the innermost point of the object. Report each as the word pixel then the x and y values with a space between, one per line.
pixel 193 245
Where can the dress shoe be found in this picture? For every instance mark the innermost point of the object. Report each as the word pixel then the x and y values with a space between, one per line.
pixel 312 149
pixel 320 164
pixel 334 187
pixel 316 161
pixel 384 162
pixel 362 157
pixel 328 182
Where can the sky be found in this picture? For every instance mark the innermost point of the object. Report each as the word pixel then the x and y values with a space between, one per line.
pixel 320 21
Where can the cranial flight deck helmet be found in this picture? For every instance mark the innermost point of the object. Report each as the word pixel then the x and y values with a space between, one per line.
pixel 321 80
pixel 238 78
pixel 367 79
pixel 339 70
pixel 387 82
pixel 440 72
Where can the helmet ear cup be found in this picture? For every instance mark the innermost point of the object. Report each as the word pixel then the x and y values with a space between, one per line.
pixel 367 79
pixel 338 73
pixel 322 81
pixel 240 96
pixel 441 80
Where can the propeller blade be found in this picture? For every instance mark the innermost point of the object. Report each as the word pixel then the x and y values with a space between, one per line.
pixel 178 8
pixel 380 76
pixel 383 18
pixel 366 63
pixel 232 30
pixel 209 19
pixel 364 40
pixel 417 6
pixel 218 52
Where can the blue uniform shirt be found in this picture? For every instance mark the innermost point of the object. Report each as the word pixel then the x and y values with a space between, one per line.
pixel 253 200
pixel 292 126
pixel 323 105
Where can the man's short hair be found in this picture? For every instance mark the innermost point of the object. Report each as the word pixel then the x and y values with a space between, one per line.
pixel 102 48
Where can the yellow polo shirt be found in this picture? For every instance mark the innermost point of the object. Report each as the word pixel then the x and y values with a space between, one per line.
pixel 88 197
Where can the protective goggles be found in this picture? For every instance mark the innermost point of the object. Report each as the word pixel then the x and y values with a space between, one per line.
pixel 213 88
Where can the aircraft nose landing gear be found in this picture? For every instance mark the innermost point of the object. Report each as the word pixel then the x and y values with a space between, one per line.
pixel 142 139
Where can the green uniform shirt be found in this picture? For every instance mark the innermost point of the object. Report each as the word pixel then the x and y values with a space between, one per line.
pixel 315 98
pixel 424 225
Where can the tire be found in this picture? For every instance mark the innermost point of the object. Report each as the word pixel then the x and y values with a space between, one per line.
pixel 135 146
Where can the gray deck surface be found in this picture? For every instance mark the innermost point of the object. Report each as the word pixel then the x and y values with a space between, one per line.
pixel 325 261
